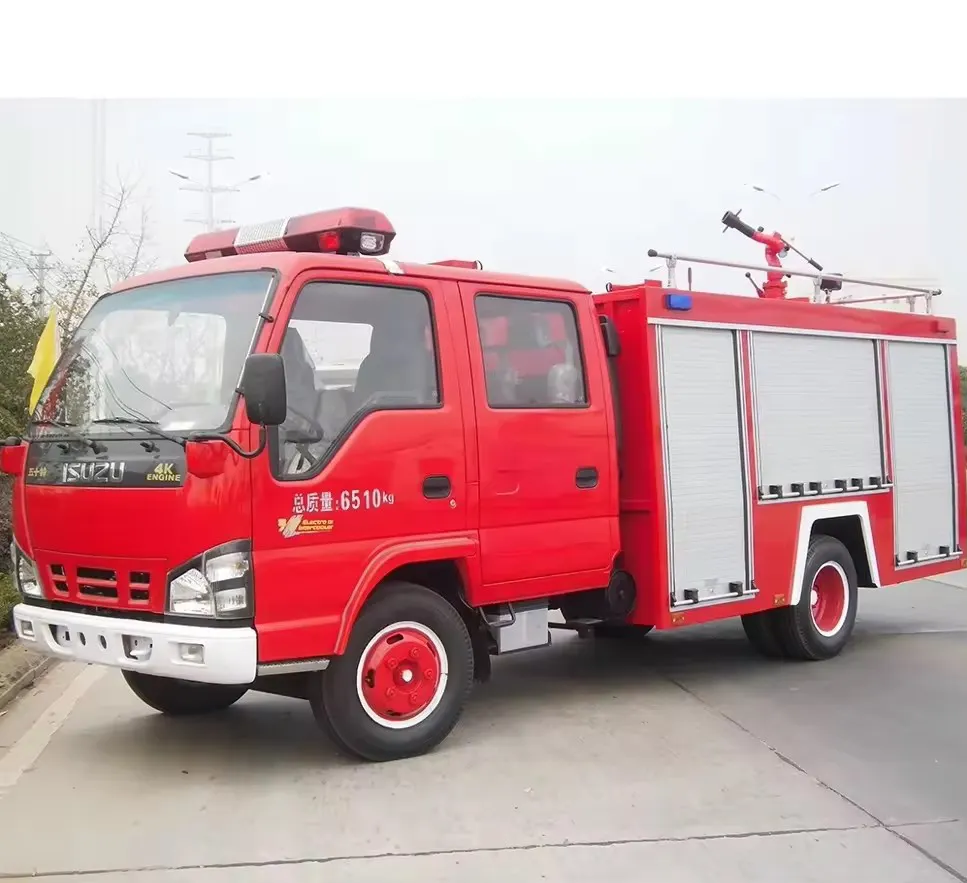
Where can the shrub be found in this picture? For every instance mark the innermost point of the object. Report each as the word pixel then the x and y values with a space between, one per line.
pixel 8 597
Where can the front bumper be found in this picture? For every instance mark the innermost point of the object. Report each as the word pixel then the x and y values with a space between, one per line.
pixel 188 652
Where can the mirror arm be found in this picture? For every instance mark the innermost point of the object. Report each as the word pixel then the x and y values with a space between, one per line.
pixel 245 455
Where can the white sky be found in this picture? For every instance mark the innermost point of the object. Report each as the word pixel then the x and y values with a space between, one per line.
pixel 553 185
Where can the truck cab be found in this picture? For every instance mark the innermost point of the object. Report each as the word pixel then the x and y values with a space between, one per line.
pixel 201 506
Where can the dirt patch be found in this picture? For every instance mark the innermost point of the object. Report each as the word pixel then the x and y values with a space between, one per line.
pixel 19 668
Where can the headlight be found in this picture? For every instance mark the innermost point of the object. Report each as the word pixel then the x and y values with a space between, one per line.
pixel 191 595
pixel 25 575
pixel 217 584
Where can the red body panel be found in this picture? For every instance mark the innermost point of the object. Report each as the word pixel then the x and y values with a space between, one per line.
pixel 539 533
pixel 115 529
pixel 515 522
pixel 307 583
pixel 775 525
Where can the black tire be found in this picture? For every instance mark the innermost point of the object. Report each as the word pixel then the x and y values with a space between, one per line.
pixel 621 631
pixel 761 630
pixel 178 698
pixel 336 699
pixel 796 627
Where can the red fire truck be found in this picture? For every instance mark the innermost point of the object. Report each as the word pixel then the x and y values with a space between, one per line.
pixel 296 466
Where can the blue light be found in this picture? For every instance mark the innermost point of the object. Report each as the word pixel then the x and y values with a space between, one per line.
pixel 678 302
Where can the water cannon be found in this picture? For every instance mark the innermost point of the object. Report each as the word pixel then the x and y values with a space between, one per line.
pixel 732 221
pixel 776 247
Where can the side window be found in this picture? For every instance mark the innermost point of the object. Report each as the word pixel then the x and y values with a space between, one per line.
pixel 350 349
pixel 531 352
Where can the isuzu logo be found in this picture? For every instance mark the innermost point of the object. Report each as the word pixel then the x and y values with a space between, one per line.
pixel 106 472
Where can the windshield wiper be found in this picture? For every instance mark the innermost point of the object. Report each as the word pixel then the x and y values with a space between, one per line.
pixel 72 433
pixel 147 425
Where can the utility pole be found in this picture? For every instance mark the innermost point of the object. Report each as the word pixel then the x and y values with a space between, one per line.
pixel 40 274
pixel 98 162
pixel 29 259
pixel 209 188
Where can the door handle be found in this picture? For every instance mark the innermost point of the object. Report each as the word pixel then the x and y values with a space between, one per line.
pixel 586 477
pixel 436 487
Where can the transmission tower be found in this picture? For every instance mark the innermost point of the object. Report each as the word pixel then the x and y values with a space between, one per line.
pixel 208 187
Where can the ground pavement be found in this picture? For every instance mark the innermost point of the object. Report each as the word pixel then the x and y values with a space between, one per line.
pixel 686 758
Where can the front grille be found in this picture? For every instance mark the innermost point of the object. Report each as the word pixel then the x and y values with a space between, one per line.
pixel 97 583
pixel 139 583
pixel 128 588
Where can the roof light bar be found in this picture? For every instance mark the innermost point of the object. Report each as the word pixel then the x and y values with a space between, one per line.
pixel 339 231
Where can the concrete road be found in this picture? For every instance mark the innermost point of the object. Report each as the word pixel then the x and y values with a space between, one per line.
pixel 686 758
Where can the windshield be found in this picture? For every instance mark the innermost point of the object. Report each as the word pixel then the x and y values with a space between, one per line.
pixel 169 353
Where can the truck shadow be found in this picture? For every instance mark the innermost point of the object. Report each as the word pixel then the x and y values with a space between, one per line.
pixel 268 736
pixel 623 668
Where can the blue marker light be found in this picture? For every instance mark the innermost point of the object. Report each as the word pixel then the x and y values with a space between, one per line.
pixel 678 302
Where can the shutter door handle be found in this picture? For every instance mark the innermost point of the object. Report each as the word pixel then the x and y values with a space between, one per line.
pixel 586 477
pixel 436 487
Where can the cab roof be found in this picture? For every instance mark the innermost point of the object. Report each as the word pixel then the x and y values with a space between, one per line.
pixel 291 264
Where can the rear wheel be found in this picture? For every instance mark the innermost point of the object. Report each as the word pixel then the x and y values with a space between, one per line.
pixel 174 697
pixel 821 623
pixel 400 687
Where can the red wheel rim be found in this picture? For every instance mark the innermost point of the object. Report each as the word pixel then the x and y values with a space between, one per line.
pixel 402 675
pixel 829 599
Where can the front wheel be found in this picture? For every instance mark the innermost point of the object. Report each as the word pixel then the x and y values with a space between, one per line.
pixel 400 687
pixel 178 698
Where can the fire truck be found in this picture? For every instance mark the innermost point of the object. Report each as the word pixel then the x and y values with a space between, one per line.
pixel 297 466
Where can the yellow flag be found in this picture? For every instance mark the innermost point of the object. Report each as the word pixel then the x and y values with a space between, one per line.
pixel 45 357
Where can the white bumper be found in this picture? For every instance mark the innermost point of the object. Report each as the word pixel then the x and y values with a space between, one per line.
pixel 189 652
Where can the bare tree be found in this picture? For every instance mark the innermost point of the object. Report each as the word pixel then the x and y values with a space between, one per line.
pixel 116 249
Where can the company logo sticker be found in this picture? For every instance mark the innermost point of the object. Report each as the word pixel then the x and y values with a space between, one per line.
pixel 299 524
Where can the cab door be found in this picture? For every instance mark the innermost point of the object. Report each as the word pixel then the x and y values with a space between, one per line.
pixel 370 462
pixel 547 462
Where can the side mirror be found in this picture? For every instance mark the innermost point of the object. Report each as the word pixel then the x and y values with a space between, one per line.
pixel 263 387
pixel 609 333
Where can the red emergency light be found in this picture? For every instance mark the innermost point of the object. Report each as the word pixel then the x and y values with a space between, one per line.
pixel 339 231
